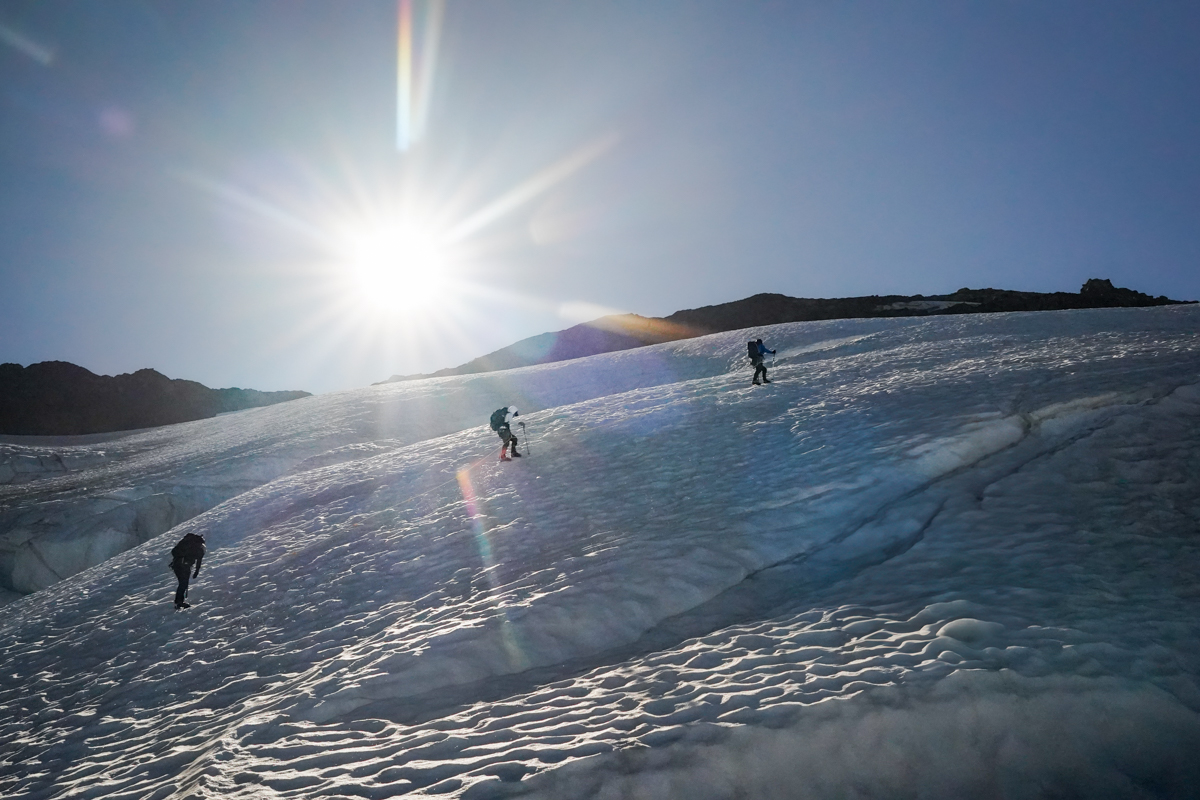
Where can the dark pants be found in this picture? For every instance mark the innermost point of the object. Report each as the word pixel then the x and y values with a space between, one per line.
pixel 759 366
pixel 506 436
pixel 183 572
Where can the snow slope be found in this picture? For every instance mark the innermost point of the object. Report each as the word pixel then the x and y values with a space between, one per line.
pixel 936 558
pixel 69 503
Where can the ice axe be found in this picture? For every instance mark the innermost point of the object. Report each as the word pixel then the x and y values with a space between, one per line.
pixel 526 435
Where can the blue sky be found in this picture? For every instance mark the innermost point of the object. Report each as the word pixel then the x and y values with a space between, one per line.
pixel 192 186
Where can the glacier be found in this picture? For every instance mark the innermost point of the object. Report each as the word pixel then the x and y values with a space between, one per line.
pixel 937 557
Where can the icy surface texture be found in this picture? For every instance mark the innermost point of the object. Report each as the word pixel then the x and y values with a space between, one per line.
pixel 69 503
pixel 956 557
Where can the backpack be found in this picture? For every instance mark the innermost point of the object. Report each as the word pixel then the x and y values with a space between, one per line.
pixel 752 347
pixel 498 417
pixel 190 548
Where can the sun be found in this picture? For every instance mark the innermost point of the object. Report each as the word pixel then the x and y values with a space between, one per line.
pixel 398 267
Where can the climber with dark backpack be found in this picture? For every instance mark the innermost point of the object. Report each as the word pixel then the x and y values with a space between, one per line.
pixel 185 558
pixel 756 350
pixel 500 424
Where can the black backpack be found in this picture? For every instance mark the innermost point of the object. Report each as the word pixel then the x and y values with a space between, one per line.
pixel 752 347
pixel 190 548
pixel 498 418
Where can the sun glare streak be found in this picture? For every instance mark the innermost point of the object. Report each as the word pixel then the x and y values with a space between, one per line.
pixel 393 262
pixel 431 37
pixel 392 267
pixel 395 266
pixel 336 336
pixel 545 180
pixel 413 91
pixel 510 299
pixel 508 633
pixel 257 206
pixel 23 44
pixel 327 336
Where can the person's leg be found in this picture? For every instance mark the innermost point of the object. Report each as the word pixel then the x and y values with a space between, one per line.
pixel 182 575
pixel 514 447
pixel 759 367
pixel 505 435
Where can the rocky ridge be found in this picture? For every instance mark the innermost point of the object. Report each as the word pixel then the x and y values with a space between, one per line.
pixel 626 331
pixel 57 398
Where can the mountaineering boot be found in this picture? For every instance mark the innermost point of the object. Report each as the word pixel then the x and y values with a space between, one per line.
pixel 765 380
pixel 756 383
pixel 182 605
pixel 515 455
pixel 504 457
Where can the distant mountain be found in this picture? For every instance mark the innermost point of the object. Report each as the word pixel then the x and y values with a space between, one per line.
pixel 604 335
pixel 56 398
pixel 626 331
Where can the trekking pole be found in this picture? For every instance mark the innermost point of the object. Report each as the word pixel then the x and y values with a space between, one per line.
pixel 526 435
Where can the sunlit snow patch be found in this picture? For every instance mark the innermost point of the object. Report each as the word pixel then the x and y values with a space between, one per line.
pixel 956 559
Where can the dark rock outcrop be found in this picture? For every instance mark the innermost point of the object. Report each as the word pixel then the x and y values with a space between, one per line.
pixel 56 398
pixel 625 331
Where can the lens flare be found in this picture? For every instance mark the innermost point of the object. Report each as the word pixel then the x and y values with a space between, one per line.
pixel 23 44
pixel 404 77
pixel 508 632
pixel 414 86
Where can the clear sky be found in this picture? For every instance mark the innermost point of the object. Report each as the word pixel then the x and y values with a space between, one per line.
pixel 219 190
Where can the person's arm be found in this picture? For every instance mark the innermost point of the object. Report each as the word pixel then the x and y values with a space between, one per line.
pixel 199 558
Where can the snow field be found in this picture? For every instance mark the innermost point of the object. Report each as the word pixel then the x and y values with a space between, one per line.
pixel 73 502
pixel 945 558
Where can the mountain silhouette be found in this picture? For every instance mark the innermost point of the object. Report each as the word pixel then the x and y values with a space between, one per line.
pixel 57 398
pixel 626 331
